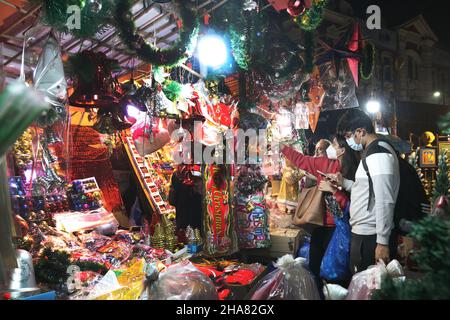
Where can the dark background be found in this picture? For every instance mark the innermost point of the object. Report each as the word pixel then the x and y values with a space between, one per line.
pixel 397 12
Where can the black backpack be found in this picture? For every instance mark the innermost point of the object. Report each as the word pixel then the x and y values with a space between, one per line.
pixel 412 203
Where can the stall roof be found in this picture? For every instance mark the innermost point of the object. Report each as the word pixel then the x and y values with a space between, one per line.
pixel 154 21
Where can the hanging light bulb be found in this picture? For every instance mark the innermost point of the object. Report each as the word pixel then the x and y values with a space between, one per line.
pixel 212 50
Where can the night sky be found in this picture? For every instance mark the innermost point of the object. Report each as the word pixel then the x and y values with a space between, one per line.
pixel 396 12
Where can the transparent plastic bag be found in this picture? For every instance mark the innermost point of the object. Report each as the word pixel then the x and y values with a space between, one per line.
pixel 366 282
pixel 290 281
pixel 183 281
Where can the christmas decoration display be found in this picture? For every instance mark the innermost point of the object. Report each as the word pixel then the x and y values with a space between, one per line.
pixel 85 194
pixel 312 15
pixel 251 213
pixel 345 48
pixel 148 53
pixel 296 7
pixel 220 237
pixel 95 86
pixel 23 150
pixel 94 17
pixel 442 184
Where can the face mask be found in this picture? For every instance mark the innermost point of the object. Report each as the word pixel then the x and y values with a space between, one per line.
pixel 331 153
pixel 355 146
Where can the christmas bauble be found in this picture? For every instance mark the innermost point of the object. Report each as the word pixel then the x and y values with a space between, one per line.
pixel 95 6
pixel 296 7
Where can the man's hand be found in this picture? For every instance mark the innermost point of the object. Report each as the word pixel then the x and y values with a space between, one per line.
pixel 382 253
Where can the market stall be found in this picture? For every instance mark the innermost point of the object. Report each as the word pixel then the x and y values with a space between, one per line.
pixel 195 97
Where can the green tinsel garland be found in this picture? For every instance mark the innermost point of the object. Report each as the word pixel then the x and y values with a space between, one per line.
pixel 367 65
pixel 51 267
pixel 148 53
pixel 247 31
pixel 92 266
pixel 313 16
pixel 91 22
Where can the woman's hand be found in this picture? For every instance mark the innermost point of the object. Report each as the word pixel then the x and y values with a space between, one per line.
pixel 327 186
pixel 336 178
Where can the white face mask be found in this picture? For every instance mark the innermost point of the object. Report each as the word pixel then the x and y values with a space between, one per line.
pixel 331 153
pixel 352 144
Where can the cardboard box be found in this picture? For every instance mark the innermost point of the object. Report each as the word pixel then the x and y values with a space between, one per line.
pixel 284 241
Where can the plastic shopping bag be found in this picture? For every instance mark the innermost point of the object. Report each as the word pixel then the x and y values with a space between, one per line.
pixel 290 281
pixel 336 261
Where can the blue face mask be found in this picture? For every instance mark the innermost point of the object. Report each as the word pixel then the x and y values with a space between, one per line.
pixel 352 144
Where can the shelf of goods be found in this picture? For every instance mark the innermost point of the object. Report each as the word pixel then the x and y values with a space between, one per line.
pixel 153 177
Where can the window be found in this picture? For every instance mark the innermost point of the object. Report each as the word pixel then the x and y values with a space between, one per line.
pixel 412 69
pixel 387 69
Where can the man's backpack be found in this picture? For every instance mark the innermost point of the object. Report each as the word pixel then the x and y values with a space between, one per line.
pixel 412 203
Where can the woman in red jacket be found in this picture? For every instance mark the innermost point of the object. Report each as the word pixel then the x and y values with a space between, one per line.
pixel 340 158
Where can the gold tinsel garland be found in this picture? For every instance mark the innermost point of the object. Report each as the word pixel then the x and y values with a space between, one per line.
pixel 23 150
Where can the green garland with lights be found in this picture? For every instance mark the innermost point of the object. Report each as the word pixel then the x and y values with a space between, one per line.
pixel 146 52
pixel 367 65
pixel 313 16
pixel 91 22
pixel 247 32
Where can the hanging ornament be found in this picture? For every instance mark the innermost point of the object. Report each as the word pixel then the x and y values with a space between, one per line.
pixel 296 7
pixel 49 79
pixel 312 16
pixel 343 49
pixel 94 81
pixel 206 18
pixel 95 6
pixel 316 96
pixel 249 5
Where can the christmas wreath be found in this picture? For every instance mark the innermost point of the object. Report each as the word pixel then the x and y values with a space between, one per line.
pixel 367 64
pixel 148 53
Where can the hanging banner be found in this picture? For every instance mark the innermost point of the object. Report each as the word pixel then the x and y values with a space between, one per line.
pixel 220 237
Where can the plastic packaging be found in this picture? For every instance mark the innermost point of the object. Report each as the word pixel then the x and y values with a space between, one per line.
pixel 336 261
pixel 183 281
pixel 290 281
pixel 334 292
pixel 303 252
pixel 366 282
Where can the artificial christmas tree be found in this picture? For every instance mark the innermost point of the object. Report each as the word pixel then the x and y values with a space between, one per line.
pixel 442 184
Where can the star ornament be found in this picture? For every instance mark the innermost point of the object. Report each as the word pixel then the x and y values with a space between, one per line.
pixel 348 48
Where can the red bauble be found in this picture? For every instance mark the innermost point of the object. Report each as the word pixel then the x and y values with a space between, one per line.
pixel 296 7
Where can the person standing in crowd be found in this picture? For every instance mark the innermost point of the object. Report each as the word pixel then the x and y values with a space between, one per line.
pixel 337 160
pixel 321 148
pixel 372 224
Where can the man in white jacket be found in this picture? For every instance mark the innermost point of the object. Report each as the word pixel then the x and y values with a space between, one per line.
pixel 371 207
